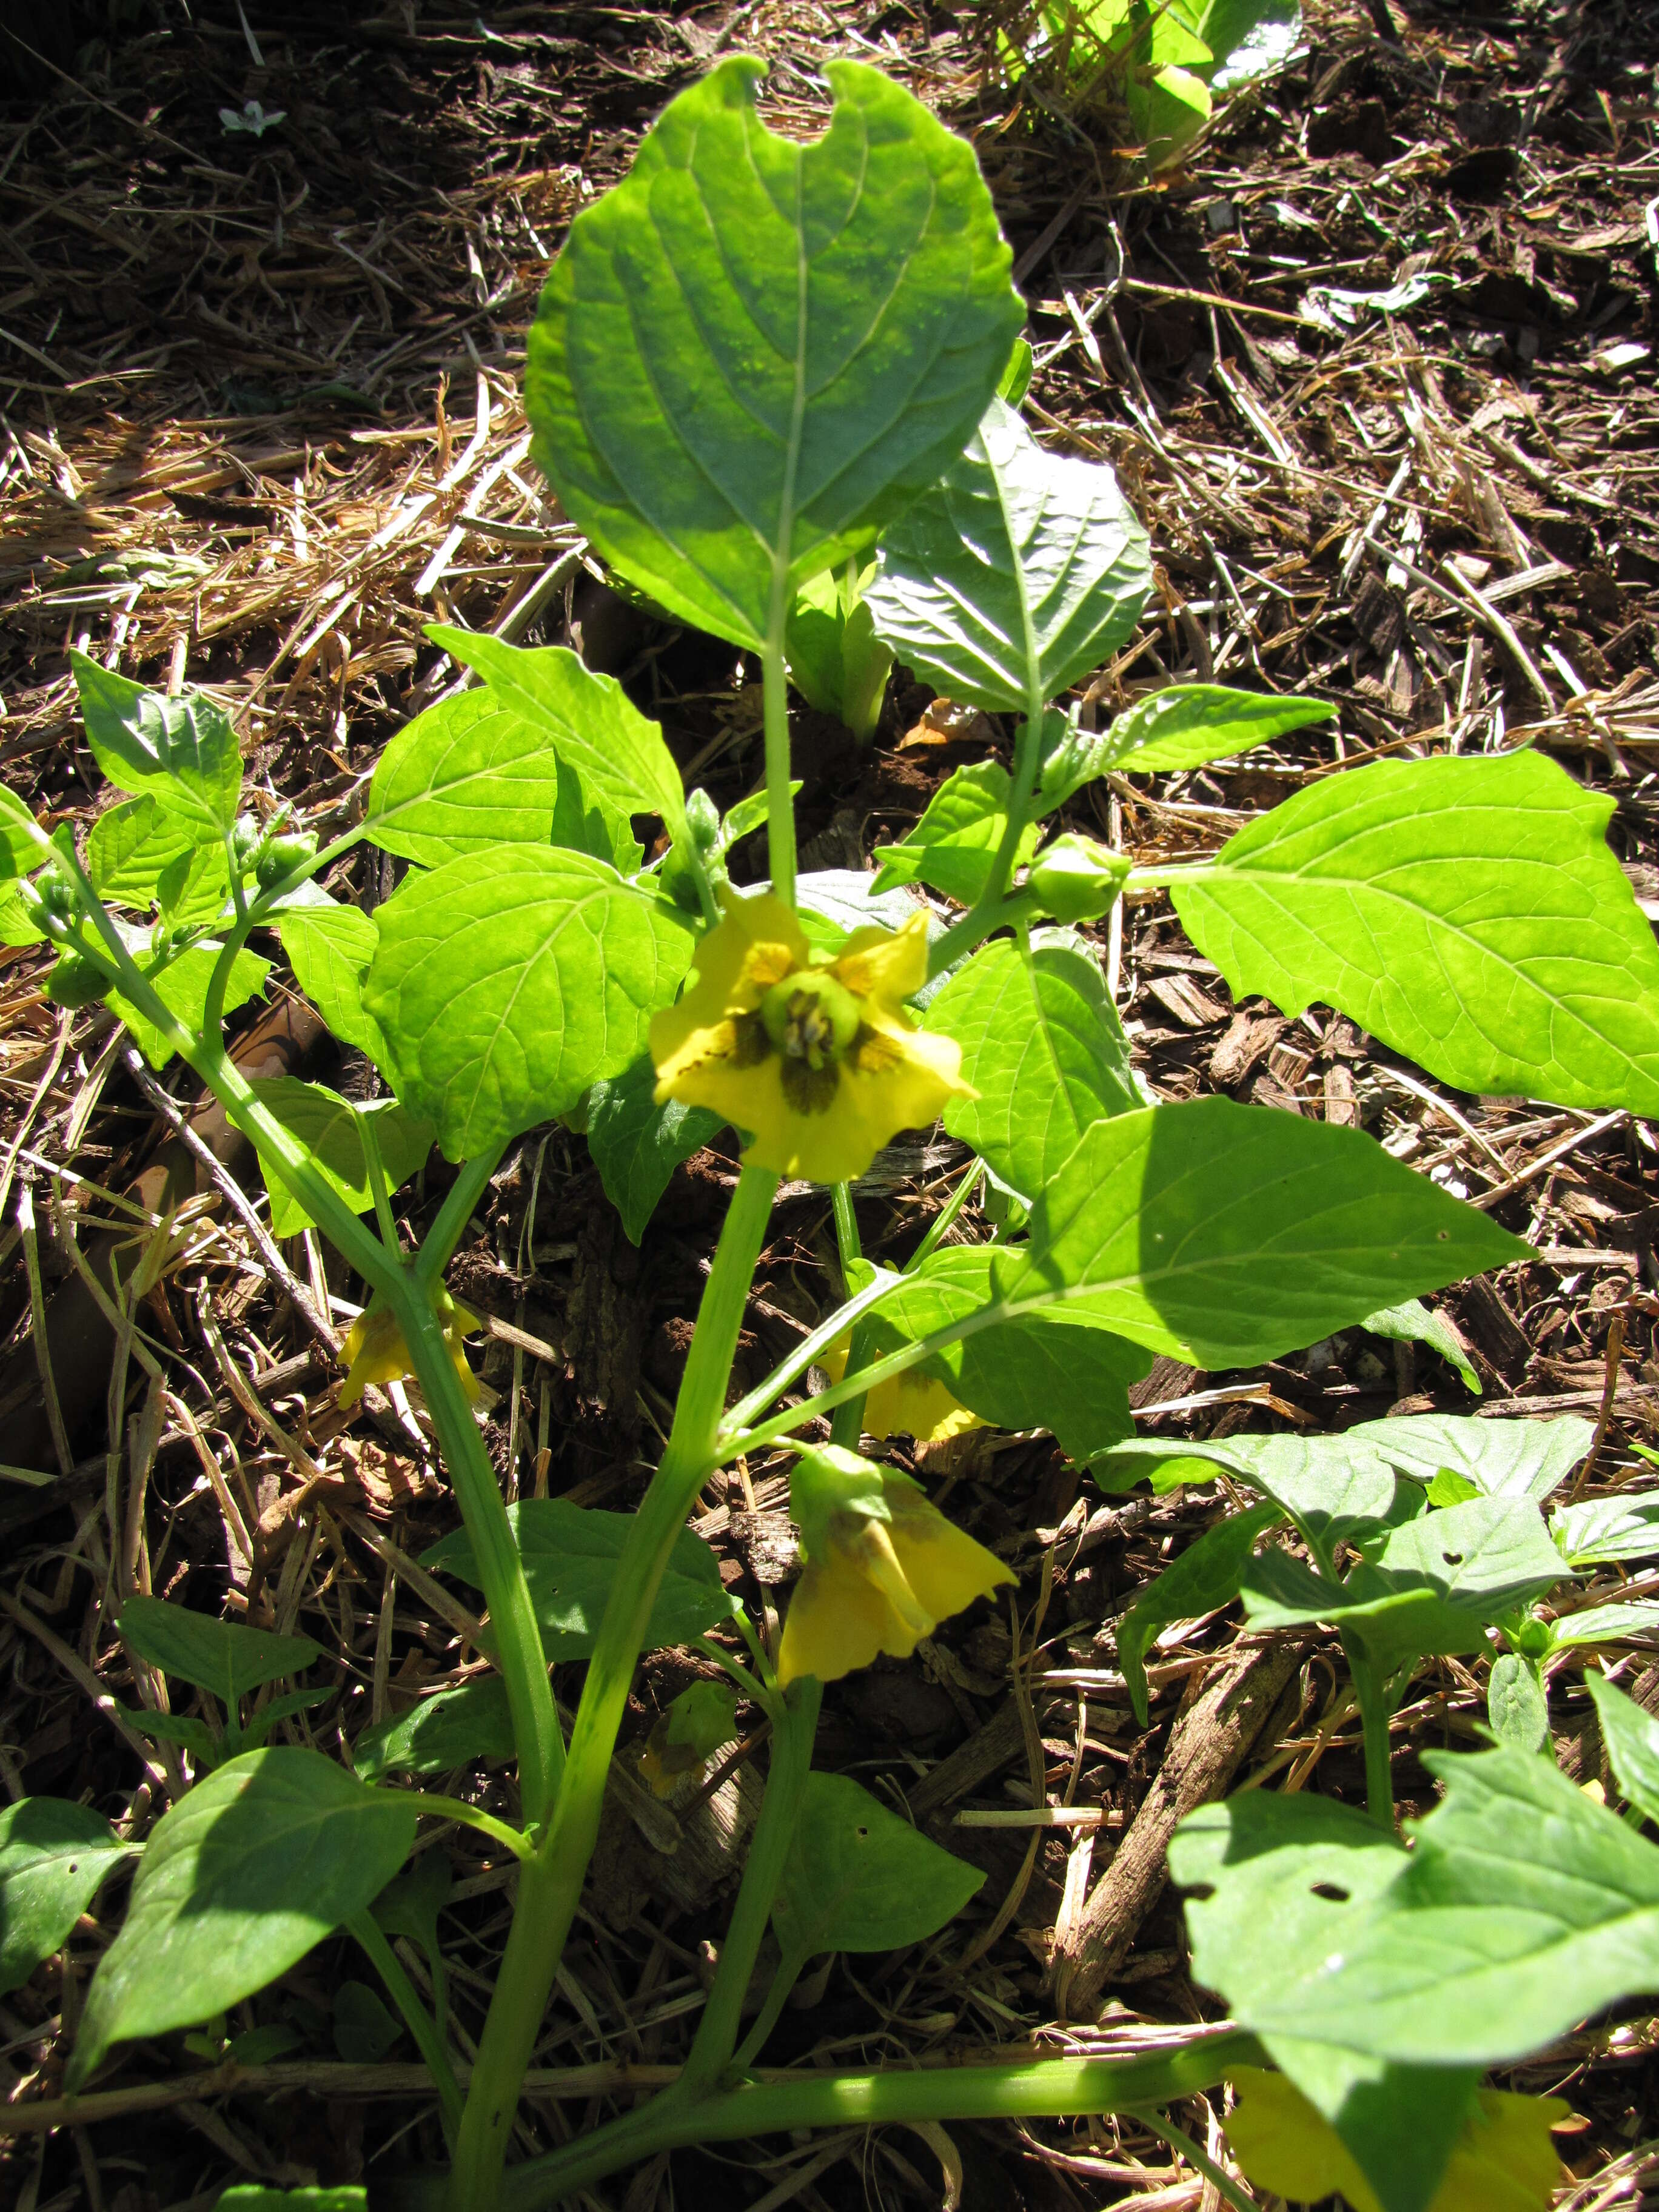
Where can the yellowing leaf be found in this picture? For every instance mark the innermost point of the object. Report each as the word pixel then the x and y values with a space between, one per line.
pixel 1504 2162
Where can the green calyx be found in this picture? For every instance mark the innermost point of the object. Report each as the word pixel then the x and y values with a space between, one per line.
pixel 826 1481
pixel 811 1018
pixel 1077 879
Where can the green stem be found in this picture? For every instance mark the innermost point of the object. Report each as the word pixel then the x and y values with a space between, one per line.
pixel 769 1847
pixel 431 1805
pixel 1217 2176
pixel 976 924
pixel 1370 1689
pixel 789 1972
pixel 549 1885
pixel 994 907
pixel 438 1246
pixel 947 1213
pixel 798 1361
pixel 385 1219
pixel 847 1229
pixel 780 804
pixel 369 1933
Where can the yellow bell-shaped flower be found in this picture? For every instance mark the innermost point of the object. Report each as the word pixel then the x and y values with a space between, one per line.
pixel 817 1059
pixel 908 1404
pixel 883 1566
pixel 374 1350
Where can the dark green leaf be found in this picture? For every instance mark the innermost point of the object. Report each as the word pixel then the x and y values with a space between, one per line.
pixel 858 1878
pixel 1412 1322
pixel 238 1882
pixel 448 1730
pixel 225 1657
pixel 570 1557
pixel 1206 1575
pixel 1015 576
pixel 751 354
pixel 364 2031
pixel 836 662
pixel 52 1858
pixel 181 752
pixel 637 1144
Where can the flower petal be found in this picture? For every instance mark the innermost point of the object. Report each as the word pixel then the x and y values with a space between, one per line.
pixel 838 1622
pixel 912 1404
pixel 757 944
pixel 883 965
pixel 943 1564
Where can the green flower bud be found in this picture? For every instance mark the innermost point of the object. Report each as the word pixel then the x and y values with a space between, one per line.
pixel 702 818
pixel 1077 879
pixel 283 855
pixel 59 895
pixel 1532 1637
pixel 245 840
pixel 78 980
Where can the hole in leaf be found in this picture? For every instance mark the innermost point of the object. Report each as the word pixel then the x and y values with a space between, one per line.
pixel 1453 1558
pixel 1332 1892
pixel 861 1833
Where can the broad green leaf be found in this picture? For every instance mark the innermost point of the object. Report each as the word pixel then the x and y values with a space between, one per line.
pixel 582 823
pixel 1503 1459
pixel 1042 1044
pixel 1168 107
pixel 571 1554
pixel 238 1881
pixel 1467 912
pixel 181 752
pixel 752 354
pixel 1630 1735
pixel 1429 1586
pixel 181 985
pixel 1249 38
pixel 1206 1575
pixel 858 1878
pixel 835 660
pixel 225 1657
pixel 955 842
pixel 364 2031
pixel 1412 1322
pixel 507 983
pixel 1515 1705
pixel 20 849
pixel 637 1144
pixel 52 1858
pixel 329 947
pixel 1225 1235
pixel 132 846
pixel 1625 1525
pixel 835 901
pixel 474 779
pixel 1015 576
pixel 16 926
pixel 1188 723
pixel 331 1130
pixel 1022 1373
pixel 450 1728
pixel 1334 1488
pixel 1633 1621
pixel 204 1744
pixel 195 888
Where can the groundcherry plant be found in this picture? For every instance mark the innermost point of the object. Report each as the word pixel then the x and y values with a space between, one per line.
pixel 757 366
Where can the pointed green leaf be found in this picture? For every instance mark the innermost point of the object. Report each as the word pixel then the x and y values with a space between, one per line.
pixel 52 1858
pixel 1412 1322
pixel 1188 724
pixel 1225 1235
pixel 1630 1735
pixel 19 848
pixel 1042 1044
pixel 181 985
pixel 238 1881
pixel 132 846
pixel 450 1728
pixel 637 1144
pixel 1597 1530
pixel 1206 1575
pixel 858 1878
pixel 1333 1487
pixel 751 354
pixel 225 1657
pixel 1503 1459
pixel 571 1554
pixel 1017 573
pixel 836 662
pixel 1516 1706
pixel 331 1130
pixel 1467 912
pixel 1627 1620
pixel 181 752
pixel 953 846
pixel 507 983
pixel 329 946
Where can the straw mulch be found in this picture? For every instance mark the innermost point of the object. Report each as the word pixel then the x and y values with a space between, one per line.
pixel 259 422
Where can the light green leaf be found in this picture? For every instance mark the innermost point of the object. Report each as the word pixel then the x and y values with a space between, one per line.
pixel 1206 1575
pixel 1431 1585
pixel 247 2197
pixel 20 849
pixel 225 1657
pixel 752 354
pixel 506 983
pixel 1412 1322
pixel 1249 38
pixel 331 1130
pixel 52 1858
pixel 1633 1621
pixel 1225 1235
pixel 1188 723
pixel 858 1878
pixel 835 660
pixel 637 1144
pixel 483 778
pixel 1333 1487
pixel 1515 1705
pixel 238 1881
pixel 583 824
pixel 1168 107
pixel 1021 1373
pixel 1042 1044
pixel 571 1553
pixel 16 926
pixel 329 947
pixel 450 1728
pixel 1630 1737
pixel 1017 573
pixel 1596 1530
pixel 955 842
pixel 181 752
pixel 1503 1459
pixel 181 985
pixel 132 846
pixel 1467 912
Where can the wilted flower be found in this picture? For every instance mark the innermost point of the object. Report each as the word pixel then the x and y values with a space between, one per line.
pixel 907 1404
pixel 374 1350
pixel 817 1059
pixel 883 1566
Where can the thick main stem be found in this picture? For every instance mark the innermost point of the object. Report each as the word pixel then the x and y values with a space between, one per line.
pixel 549 1885
pixel 780 802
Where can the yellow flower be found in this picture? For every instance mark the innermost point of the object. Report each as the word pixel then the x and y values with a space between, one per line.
pixel 910 1404
pixel 374 1350
pixel 883 1566
pixel 817 1060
